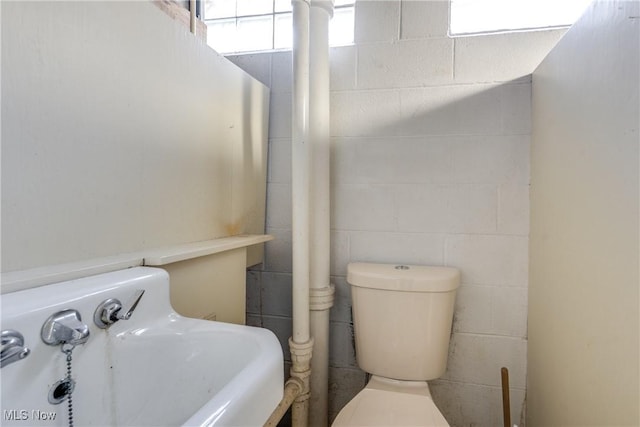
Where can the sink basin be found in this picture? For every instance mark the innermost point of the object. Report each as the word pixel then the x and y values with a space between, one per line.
pixel 155 369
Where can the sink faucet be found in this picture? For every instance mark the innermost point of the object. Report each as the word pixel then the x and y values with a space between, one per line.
pixel 65 327
pixel 13 348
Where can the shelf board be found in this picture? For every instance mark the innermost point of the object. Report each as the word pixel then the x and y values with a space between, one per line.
pixel 24 279
pixel 171 254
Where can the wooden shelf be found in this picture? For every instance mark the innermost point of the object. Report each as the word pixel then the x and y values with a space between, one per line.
pixel 19 280
pixel 173 254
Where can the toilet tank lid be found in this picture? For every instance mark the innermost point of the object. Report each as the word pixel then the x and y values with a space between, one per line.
pixel 407 278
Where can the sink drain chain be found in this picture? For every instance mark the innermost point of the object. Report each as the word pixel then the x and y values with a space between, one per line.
pixel 63 389
pixel 68 350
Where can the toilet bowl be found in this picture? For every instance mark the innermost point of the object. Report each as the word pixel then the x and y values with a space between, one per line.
pixel 386 402
pixel 402 319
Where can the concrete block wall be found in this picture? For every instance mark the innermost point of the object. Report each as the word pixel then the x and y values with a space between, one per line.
pixel 584 293
pixel 430 165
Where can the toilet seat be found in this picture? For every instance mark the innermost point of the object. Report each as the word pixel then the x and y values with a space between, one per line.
pixel 381 403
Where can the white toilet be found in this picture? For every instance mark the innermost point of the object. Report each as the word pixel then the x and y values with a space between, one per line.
pixel 402 318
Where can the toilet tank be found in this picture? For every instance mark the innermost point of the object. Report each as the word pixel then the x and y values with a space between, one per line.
pixel 402 317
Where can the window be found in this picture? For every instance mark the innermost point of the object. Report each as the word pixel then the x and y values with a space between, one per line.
pixel 253 25
pixel 490 16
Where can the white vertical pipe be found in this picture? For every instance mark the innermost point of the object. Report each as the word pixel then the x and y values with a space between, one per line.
pixel 301 343
pixel 321 12
pixel 321 291
pixel 300 171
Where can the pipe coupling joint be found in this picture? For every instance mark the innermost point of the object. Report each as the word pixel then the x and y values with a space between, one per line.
pixel 300 355
pixel 297 383
pixel 301 366
pixel 321 298
pixel 302 378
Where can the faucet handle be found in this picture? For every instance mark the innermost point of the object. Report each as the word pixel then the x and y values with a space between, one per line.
pixel 111 310
pixel 65 327
pixel 126 311
pixel 13 348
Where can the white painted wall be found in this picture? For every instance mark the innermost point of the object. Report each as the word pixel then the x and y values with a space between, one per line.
pixel 121 132
pixel 430 165
pixel 584 279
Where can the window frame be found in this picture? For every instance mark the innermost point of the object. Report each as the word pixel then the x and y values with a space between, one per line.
pixel 276 12
pixel 498 8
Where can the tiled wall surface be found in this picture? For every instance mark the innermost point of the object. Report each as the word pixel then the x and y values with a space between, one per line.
pixel 430 165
